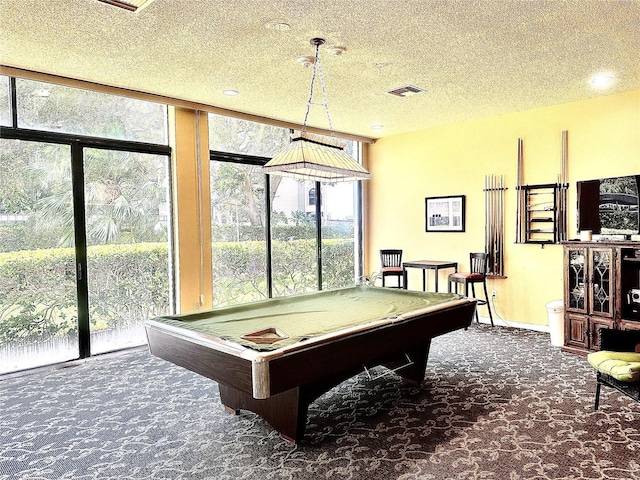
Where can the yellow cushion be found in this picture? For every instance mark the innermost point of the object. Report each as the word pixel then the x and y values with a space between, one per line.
pixel 623 366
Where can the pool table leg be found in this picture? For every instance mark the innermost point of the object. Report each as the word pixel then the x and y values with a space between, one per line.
pixel 413 373
pixel 286 411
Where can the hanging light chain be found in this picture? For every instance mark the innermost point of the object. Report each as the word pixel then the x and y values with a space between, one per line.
pixel 324 93
pixel 317 68
pixel 313 82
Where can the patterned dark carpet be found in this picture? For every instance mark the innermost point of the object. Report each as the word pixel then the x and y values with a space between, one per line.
pixel 497 403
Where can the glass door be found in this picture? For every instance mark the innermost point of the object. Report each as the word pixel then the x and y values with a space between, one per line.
pixel 126 202
pixel 576 265
pixel 38 300
pixel 601 263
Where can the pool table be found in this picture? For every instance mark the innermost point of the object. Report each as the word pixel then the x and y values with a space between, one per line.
pixel 274 357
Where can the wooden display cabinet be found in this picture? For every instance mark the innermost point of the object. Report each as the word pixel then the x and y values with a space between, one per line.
pixel 600 283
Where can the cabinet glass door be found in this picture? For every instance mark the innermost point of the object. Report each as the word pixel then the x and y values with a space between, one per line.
pixel 601 281
pixel 576 267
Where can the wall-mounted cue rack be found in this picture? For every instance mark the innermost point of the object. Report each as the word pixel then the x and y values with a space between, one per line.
pixel 542 209
pixel 494 223
pixel 542 213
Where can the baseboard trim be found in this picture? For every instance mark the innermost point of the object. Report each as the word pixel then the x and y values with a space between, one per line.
pixel 526 326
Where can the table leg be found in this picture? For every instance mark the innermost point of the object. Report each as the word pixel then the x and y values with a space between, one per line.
pixel 404 278
pixel 436 281
pixel 286 411
pixel 413 374
pixel 424 280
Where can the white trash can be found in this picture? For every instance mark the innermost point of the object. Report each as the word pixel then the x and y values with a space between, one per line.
pixel 555 310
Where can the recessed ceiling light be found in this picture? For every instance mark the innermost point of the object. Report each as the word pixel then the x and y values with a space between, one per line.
pixel 336 50
pixel 377 126
pixel 602 80
pixel 230 93
pixel 307 60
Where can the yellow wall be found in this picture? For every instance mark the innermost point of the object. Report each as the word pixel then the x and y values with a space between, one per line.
pixel 603 141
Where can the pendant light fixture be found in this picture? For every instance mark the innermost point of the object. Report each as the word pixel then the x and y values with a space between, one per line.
pixel 316 157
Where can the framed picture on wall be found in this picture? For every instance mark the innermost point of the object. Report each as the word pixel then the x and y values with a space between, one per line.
pixel 445 214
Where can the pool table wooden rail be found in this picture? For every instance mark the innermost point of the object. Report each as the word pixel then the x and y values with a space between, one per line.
pixel 280 385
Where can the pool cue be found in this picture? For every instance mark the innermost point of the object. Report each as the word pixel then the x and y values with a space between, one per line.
pixel 487 215
pixel 496 224
pixel 500 227
pixel 563 179
pixel 493 222
pixel 519 191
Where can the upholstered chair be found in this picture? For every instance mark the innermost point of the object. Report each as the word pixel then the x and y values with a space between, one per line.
pixel 477 274
pixel 617 363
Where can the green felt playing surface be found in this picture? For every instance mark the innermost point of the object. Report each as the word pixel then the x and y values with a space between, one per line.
pixel 306 316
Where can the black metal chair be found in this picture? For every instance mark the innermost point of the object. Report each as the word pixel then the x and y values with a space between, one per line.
pixel 614 363
pixel 391 261
pixel 478 274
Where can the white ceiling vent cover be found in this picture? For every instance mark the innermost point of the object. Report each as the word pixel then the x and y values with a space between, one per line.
pixel 406 91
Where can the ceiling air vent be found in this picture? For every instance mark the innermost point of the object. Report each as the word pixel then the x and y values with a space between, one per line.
pixel 405 91
pixel 131 5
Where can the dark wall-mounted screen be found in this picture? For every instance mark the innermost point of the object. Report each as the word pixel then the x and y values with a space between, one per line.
pixel 609 205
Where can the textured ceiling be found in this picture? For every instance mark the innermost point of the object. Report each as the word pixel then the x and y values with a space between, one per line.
pixel 473 58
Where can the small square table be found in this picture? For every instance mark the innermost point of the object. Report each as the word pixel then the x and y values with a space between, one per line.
pixel 425 265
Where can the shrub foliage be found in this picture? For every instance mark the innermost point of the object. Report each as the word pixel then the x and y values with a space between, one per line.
pixel 129 283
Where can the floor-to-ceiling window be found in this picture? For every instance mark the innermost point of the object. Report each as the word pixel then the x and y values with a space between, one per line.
pixel 84 222
pixel 266 229
pixel 240 198
pixel 38 300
